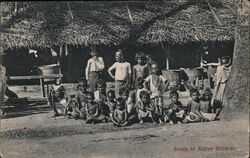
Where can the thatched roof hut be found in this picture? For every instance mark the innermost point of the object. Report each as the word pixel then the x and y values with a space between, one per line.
pixel 45 24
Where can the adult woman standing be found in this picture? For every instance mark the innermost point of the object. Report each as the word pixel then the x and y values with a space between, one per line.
pixel 94 69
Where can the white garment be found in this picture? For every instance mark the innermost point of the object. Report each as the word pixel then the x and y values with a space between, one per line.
pixel 122 70
pixel 94 66
pixel 156 90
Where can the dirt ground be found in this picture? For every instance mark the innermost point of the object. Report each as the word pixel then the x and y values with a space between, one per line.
pixel 29 131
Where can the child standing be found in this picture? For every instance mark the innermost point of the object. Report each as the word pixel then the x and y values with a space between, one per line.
pixel 122 72
pixel 93 69
pixel 100 97
pixel 175 111
pixel 120 115
pixel 140 70
pixel 146 108
pixel 193 108
pixel 93 111
pixel 157 85
pixel 139 89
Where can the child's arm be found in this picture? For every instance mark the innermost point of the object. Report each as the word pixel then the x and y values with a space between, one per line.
pixel 66 109
pixel 97 112
pixel 134 75
pixel 102 65
pixel 140 106
pixel 125 117
pixel 145 82
pixel 87 70
pixel 110 69
pixel 165 81
pixel 198 112
pixel 87 111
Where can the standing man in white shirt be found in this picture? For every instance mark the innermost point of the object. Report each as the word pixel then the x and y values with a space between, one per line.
pixel 123 72
pixel 94 69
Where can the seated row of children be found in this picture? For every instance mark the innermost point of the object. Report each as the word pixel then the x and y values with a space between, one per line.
pixel 125 110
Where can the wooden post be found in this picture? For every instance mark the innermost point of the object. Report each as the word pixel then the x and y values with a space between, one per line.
pixel 42 86
pixel 167 59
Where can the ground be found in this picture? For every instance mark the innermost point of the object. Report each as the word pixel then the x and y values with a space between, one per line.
pixel 33 132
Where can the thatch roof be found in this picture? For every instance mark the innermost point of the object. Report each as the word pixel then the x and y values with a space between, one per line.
pixel 92 23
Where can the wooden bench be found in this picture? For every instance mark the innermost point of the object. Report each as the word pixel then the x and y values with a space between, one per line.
pixel 36 77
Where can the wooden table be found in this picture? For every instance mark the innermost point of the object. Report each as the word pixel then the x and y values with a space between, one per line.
pixel 35 77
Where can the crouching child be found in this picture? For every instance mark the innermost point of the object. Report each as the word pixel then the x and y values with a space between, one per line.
pixel 175 112
pixel 93 113
pixel 120 115
pixel 146 108
pixel 193 108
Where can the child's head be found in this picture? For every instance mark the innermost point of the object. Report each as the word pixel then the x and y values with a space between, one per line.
pixel 124 93
pixel 195 94
pixel 140 57
pixel 120 103
pixel 226 60
pixel 174 96
pixel 93 53
pixel 145 97
pixel 111 95
pixel 90 97
pixel 82 84
pixel 139 83
pixel 119 56
pixel 154 68
pixel 101 85
pixel 149 58
pixel 207 95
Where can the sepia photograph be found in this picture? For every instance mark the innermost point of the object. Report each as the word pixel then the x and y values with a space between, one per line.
pixel 124 79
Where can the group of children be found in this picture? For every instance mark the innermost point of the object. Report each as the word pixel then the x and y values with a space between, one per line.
pixel 137 98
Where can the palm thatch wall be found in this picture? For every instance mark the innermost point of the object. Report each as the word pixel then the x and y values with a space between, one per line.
pixel 46 24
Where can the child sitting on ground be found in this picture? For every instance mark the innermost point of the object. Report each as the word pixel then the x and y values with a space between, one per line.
pixel 72 111
pixel 193 108
pixel 120 115
pixel 93 111
pixel 57 94
pixel 157 85
pixel 140 70
pixel 146 108
pixel 206 109
pixel 132 116
pixel 111 103
pixel 175 112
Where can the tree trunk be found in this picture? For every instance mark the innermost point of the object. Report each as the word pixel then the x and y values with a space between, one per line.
pixel 238 84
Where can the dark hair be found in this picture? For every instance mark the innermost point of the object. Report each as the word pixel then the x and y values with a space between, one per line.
pixel 142 93
pixel 120 100
pixel 226 60
pixel 111 92
pixel 140 55
pixel 90 95
pixel 192 91
pixel 124 90
pixel 207 92
pixel 174 93
pixel 94 51
pixel 100 82
pixel 82 79
pixel 139 81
